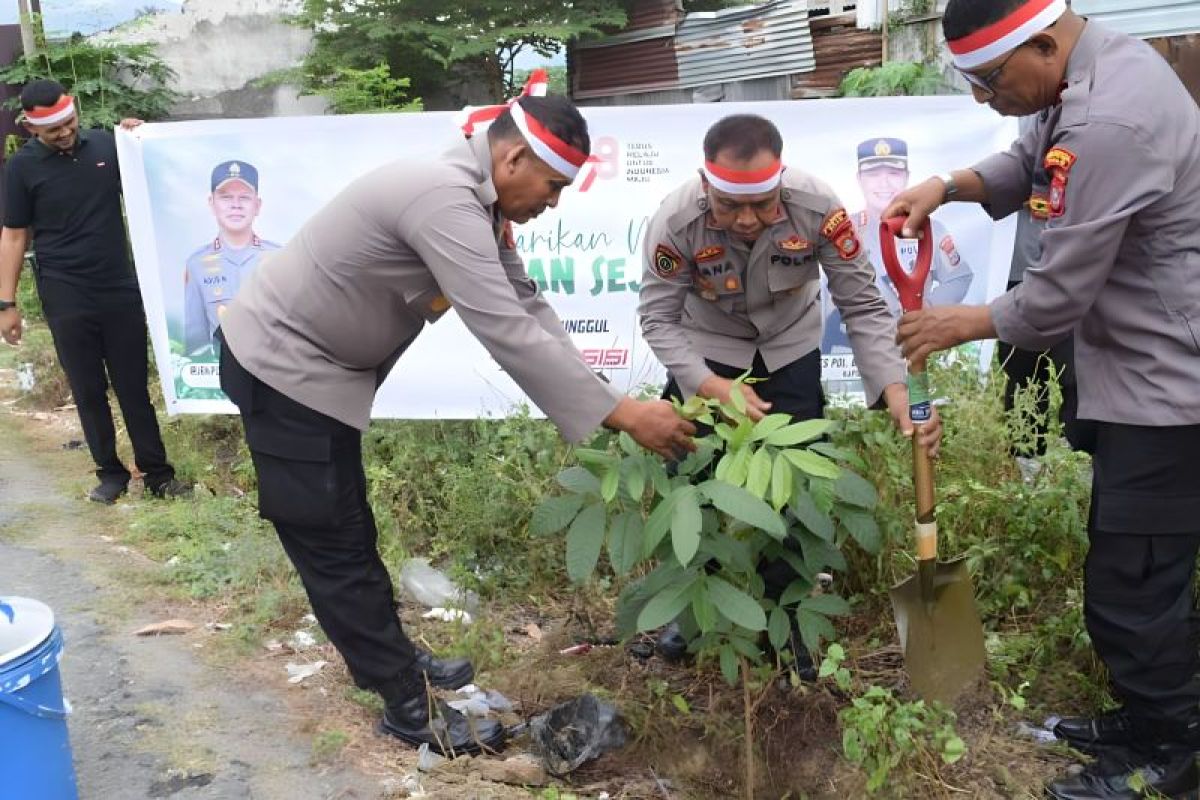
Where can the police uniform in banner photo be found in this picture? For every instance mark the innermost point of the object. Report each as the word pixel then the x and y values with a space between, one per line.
pixel 882 174
pixel 216 270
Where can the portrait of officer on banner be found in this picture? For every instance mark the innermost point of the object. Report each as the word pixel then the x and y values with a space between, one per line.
pixel 216 270
pixel 882 174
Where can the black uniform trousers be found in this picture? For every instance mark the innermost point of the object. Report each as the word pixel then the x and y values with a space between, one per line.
pixel 793 389
pixel 97 348
pixel 312 487
pixel 1144 532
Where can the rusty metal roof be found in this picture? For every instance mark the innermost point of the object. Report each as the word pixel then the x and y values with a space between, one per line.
pixel 759 41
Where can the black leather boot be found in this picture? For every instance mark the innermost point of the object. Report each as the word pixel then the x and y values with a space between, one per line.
pixel 671 645
pixel 1089 734
pixel 447 673
pixel 1157 772
pixel 1117 729
pixel 418 719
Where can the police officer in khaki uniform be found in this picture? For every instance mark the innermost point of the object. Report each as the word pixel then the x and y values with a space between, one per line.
pixel 1118 183
pixel 317 328
pixel 731 284
pixel 216 270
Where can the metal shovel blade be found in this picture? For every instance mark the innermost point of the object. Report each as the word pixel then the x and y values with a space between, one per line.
pixel 940 631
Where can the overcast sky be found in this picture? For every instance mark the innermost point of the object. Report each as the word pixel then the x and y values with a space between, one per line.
pixel 85 16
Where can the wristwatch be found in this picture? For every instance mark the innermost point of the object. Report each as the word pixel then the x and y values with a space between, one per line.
pixel 951 187
pixel 5 305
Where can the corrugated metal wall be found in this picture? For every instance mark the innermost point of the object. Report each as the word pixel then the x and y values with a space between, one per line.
pixel 702 58
pixel 744 43
pixel 840 46
pixel 1145 19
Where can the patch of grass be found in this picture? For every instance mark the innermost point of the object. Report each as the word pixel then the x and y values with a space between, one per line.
pixel 368 700
pixel 327 745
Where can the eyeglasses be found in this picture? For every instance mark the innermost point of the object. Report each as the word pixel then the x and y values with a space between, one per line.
pixel 987 83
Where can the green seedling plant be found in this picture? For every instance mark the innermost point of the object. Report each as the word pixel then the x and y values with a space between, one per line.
pixel 752 492
pixel 889 738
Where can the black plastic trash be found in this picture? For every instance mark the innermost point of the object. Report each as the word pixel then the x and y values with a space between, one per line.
pixel 578 731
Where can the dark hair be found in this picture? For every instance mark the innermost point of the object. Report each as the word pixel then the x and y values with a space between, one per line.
pixel 41 93
pixel 964 17
pixel 744 135
pixel 554 112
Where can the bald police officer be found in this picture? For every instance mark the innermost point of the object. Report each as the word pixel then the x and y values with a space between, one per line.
pixel 1118 184
pixel 731 284
pixel 882 174
pixel 317 328
pixel 215 271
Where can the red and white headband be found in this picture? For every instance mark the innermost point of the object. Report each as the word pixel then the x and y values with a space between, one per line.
pixel 477 119
pixel 560 156
pixel 1000 37
pixel 734 181
pixel 64 109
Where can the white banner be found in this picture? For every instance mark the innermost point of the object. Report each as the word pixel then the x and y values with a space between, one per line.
pixel 586 254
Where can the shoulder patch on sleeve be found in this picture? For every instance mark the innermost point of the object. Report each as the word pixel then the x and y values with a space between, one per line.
pixel 1060 158
pixel 667 262
pixel 839 230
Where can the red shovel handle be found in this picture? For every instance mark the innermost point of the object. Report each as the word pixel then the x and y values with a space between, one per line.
pixel 910 286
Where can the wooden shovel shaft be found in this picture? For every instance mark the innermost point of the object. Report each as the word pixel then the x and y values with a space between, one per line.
pixel 923 483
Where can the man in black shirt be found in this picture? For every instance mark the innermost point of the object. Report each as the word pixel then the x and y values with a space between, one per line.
pixel 63 188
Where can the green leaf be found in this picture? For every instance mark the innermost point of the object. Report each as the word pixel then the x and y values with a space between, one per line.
pixel 954 749
pixel 737 399
pixel 811 517
pixel 863 528
pixel 659 521
pixel 812 464
pixel 799 433
pixel 681 705
pixel 735 605
pixel 740 504
pixel 778 628
pixel 704 612
pixel 585 538
pixel 759 475
pixel 579 481
pixel 594 458
pixel 724 430
pixel 828 604
pixel 635 478
pixel 625 542
pixel 610 484
pixel 813 628
pixel 630 447
pixel 739 467
pixel 722 471
pixel 686 523
pixel 820 555
pixel 768 425
pixel 729 665
pixel 666 605
pixel 554 514
pixel 838 454
pixel 796 591
pixel 781 483
pixel 855 490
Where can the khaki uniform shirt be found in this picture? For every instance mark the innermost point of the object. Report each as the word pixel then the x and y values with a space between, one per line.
pixel 212 276
pixel 706 294
pixel 326 318
pixel 1114 171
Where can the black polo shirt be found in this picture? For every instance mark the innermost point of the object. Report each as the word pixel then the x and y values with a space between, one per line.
pixel 72 203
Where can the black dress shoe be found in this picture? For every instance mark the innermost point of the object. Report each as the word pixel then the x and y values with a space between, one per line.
pixel 448 673
pixel 1088 734
pixel 1117 728
pixel 171 489
pixel 1165 772
pixel 448 733
pixel 107 492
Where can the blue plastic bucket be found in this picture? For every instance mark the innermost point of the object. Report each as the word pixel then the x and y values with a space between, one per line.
pixel 35 751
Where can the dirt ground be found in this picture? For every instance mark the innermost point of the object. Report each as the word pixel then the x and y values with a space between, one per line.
pixel 181 717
